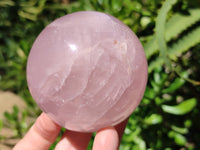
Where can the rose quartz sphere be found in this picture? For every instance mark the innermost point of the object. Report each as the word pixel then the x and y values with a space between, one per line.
pixel 87 70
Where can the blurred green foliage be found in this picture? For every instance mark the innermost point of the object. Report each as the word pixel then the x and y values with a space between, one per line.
pixel 168 116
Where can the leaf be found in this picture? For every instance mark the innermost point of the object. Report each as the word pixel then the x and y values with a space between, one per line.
pixel 178 82
pixel 160 29
pixel 7 2
pixel 179 139
pixel 130 136
pixel 153 119
pixel 176 24
pixel 15 110
pixel 1 124
pixel 27 3
pixel 188 123
pixel 180 22
pixel 182 108
pixel 188 41
pixel 32 10
pixel 116 5
pixel 155 64
pixel 174 86
pixel 179 129
pixel 149 93
pixel 8 116
pixel 151 47
pixel 27 15
pixel 183 45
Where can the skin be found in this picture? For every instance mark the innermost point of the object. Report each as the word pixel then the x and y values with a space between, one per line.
pixel 44 132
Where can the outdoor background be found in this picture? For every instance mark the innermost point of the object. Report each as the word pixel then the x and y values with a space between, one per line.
pixel 168 117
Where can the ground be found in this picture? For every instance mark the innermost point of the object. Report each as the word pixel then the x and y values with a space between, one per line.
pixel 7 101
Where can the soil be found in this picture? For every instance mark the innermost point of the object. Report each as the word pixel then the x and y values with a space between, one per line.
pixel 7 101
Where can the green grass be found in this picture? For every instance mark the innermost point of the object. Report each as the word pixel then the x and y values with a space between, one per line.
pixel 168 116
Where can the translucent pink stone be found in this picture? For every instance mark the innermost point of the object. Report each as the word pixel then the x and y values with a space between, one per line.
pixel 87 70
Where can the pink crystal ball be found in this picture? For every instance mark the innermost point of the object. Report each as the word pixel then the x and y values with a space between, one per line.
pixel 87 70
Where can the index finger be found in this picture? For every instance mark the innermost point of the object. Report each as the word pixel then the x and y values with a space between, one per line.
pixel 41 135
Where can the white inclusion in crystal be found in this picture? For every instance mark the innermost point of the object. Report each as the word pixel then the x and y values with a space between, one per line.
pixel 123 47
pixel 73 47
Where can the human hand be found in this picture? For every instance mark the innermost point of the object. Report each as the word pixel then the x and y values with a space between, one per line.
pixel 44 132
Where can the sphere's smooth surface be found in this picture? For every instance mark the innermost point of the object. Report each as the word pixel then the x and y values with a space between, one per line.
pixel 87 70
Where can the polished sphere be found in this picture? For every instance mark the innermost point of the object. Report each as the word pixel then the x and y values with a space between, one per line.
pixel 87 70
